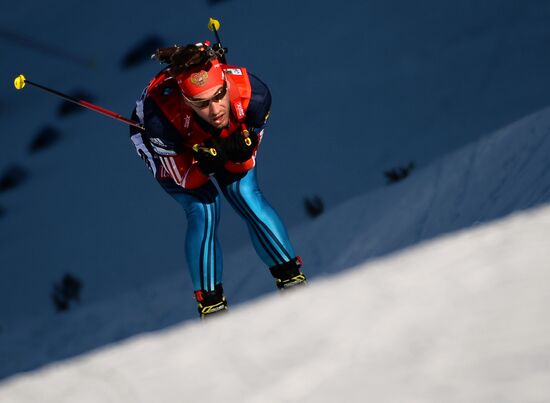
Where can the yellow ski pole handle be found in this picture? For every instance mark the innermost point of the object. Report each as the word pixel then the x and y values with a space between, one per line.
pixel 211 151
pixel 213 24
pixel 19 82
pixel 247 140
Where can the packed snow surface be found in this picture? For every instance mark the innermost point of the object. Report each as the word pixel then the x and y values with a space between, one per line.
pixel 459 319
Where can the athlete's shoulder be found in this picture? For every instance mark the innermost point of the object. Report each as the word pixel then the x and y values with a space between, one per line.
pixel 162 84
pixel 160 107
pixel 260 102
pixel 256 92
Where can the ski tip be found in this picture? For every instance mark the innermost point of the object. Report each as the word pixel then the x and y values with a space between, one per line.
pixel 19 81
pixel 213 24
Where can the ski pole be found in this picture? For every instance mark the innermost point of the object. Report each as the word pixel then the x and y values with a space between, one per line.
pixel 20 82
pixel 214 25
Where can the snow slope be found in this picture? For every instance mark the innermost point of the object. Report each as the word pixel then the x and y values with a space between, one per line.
pixel 459 319
pixel 414 82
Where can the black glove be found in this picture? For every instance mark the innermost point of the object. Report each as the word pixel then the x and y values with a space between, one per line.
pixel 239 148
pixel 211 156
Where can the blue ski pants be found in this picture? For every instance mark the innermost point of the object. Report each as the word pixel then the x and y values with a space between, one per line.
pixel 202 207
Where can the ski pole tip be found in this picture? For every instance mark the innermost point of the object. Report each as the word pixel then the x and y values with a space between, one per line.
pixel 213 24
pixel 19 82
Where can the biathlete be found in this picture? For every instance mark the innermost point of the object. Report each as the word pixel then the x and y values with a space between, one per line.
pixel 204 120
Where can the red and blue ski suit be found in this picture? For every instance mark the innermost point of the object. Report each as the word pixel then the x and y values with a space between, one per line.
pixel 171 130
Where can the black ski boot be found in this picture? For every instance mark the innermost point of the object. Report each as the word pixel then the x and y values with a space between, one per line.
pixel 211 302
pixel 288 274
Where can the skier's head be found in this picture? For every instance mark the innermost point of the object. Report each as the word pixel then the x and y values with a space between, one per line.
pixel 206 91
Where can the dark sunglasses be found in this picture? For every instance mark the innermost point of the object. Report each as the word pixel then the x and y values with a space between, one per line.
pixel 203 103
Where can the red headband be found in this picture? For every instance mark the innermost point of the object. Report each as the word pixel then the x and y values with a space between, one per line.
pixel 200 79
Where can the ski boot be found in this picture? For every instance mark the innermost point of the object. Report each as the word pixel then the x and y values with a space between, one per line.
pixel 288 274
pixel 211 302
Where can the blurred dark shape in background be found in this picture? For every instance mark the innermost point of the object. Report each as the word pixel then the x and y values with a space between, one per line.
pixel 2 212
pixel 397 174
pixel 142 52
pixel 314 206
pixel 66 291
pixel 13 176
pixel 68 108
pixel 58 52
pixel 45 138
pixel 215 1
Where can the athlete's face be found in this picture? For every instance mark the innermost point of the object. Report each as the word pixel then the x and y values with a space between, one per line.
pixel 212 106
